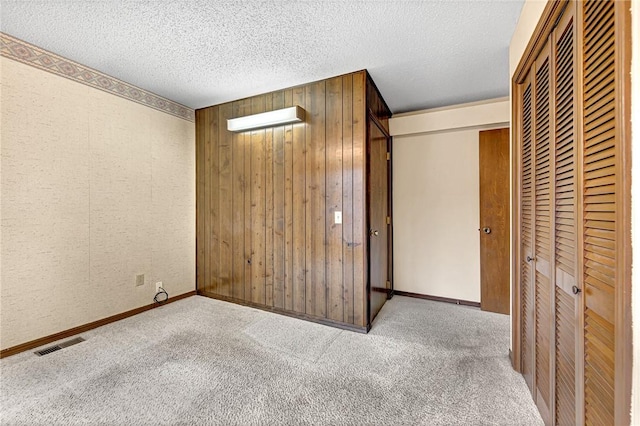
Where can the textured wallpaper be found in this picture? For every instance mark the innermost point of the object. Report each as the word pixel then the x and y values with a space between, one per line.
pixel 95 189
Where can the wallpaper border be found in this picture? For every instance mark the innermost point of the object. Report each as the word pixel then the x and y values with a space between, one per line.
pixel 21 51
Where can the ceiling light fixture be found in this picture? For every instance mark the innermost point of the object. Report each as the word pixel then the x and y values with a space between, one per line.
pixel 278 117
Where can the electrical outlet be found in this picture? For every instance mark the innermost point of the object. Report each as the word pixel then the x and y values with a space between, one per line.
pixel 139 280
pixel 337 217
pixel 158 286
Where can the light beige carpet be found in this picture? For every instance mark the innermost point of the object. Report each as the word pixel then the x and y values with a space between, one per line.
pixel 202 361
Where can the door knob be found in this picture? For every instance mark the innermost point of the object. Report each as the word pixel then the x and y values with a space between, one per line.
pixel 575 290
pixel 374 233
pixel 486 230
pixel 529 258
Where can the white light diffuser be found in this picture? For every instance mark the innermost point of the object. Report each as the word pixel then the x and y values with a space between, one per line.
pixel 278 117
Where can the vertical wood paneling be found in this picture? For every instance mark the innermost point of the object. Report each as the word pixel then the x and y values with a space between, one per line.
pixel 207 170
pixel 288 208
pixel 359 241
pixel 237 206
pixel 247 221
pixel 268 194
pixel 267 198
pixel 258 206
pixel 377 105
pixel 316 193
pixel 278 202
pixel 347 197
pixel 224 201
pixel 300 202
pixel 334 150
pixel 214 200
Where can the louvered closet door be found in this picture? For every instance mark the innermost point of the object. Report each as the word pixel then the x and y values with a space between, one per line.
pixel 574 230
pixel 542 232
pixel 526 232
pixel 567 298
pixel 600 164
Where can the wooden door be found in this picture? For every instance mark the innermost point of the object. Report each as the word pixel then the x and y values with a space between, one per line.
pixel 527 311
pixel 566 290
pixel 494 221
pixel 378 206
pixel 542 235
pixel 571 126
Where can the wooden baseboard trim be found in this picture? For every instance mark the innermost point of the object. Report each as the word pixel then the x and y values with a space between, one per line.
pixel 297 315
pixel 437 298
pixel 86 327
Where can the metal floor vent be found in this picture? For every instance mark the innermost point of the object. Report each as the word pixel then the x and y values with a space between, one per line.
pixel 59 346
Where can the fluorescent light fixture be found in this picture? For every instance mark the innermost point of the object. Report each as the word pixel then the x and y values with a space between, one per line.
pixel 278 117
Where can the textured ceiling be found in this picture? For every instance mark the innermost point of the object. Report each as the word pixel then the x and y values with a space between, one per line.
pixel 421 54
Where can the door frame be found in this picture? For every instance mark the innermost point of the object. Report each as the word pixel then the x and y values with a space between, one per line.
pixel 373 120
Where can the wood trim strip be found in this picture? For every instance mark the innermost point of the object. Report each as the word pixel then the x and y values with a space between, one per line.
pixel 86 327
pixel 292 314
pixel 623 327
pixel 436 298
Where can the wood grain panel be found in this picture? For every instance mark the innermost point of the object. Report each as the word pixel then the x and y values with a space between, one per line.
pixel 288 208
pixel 213 143
pixel 494 214
pixel 269 196
pixel 266 201
pixel 278 208
pixel 566 303
pixel 258 206
pixel 359 241
pixel 376 104
pixel 224 227
pixel 542 235
pixel 347 198
pixel 299 207
pixel 238 188
pixel 316 285
pixel 599 209
pixel 334 151
pixel 526 231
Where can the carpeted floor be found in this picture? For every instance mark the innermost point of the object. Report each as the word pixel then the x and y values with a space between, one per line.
pixel 200 361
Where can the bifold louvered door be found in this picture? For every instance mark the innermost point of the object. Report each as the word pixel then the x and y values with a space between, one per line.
pixel 566 291
pixel 526 234
pixel 572 259
pixel 542 229
pixel 600 162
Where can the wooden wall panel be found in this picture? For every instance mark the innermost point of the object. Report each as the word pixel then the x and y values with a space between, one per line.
pixel 334 189
pixel 266 201
pixel 358 167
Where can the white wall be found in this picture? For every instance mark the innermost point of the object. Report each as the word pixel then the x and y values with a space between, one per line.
pixel 436 198
pixel 95 189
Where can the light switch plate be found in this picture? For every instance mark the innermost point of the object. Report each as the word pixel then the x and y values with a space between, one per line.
pixel 337 217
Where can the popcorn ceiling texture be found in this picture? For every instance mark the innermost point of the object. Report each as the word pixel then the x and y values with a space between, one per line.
pixel 95 189
pixel 421 54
